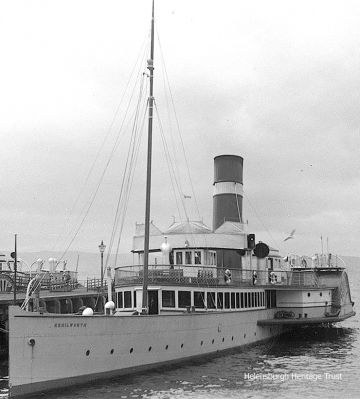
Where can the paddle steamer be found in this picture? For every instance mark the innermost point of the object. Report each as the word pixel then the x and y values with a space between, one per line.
pixel 194 292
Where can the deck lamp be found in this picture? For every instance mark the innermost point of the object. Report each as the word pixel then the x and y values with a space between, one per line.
pixel 102 247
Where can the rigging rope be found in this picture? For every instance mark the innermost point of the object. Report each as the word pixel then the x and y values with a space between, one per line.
pixel 175 168
pixel 260 220
pixel 178 127
pixel 138 62
pixel 170 166
pixel 131 179
pixel 85 211
pixel 237 204
pixel 127 176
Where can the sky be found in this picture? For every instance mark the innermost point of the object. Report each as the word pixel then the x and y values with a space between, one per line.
pixel 276 82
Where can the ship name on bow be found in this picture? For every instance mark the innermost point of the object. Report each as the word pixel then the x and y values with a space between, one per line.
pixel 70 325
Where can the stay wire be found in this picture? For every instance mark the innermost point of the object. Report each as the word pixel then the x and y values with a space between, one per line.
pixel 178 128
pixel 169 163
pixel 130 177
pixel 171 171
pixel 125 174
pixel 102 174
pixel 181 139
pixel 109 129
pixel 260 220
pixel 131 180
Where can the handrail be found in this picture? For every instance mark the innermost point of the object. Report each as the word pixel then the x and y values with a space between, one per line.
pixel 49 281
pixel 213 276
pixel 96 284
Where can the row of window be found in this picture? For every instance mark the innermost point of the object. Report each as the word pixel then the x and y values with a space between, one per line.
pixel 191 257
pixel 201 299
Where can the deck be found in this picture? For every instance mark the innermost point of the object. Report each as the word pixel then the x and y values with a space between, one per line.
pixel 197 275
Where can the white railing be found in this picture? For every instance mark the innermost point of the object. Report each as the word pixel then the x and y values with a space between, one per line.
pixel 211 276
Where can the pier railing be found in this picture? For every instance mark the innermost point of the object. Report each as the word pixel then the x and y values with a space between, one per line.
pixel 57 281
pixel 213 276
pixel 95 284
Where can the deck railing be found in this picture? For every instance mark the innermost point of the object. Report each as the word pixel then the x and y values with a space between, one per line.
pixel 57 281
pixel 213 276
pixel 94 284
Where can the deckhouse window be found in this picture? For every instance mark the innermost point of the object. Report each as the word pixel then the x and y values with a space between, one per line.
pixel 184 299
pixel 212 258
pixel 179 258
pixel 188 258
pixel 120 300
pixel 237 300
pixel 127 299
pixel 220 300
pixel 233 300
pixel 211 300
pixel 168 299
pixel 227 300
pixel 197 255
pixel 242 304
pixel 199 298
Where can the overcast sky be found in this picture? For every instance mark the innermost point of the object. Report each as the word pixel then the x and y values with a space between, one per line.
pixel 277 82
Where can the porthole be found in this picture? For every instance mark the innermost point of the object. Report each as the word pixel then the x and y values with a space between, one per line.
pixel 87 352
pixel 112 351
pixel 320 293
pixel 212 342
pixel 201 342
pixel 182 345
pixel 223 339
pixel 255 334
pixel 244 335
pixel 308 293
pixel 131 350
pixel 232 338
pixel 149 348
pixel 166 347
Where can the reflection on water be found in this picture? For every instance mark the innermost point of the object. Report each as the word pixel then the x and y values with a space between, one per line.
pixel 311 362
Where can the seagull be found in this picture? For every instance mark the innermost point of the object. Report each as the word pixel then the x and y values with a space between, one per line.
pixel 290 236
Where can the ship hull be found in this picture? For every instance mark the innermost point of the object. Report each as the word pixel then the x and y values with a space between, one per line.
pixel 54 351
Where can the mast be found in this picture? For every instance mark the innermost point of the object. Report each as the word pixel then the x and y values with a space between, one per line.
pixel 150 66
pixel 15 268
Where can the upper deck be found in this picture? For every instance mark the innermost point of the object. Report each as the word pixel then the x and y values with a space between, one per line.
pixel 204 276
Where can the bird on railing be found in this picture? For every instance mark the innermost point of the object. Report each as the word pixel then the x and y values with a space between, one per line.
pixel 290 236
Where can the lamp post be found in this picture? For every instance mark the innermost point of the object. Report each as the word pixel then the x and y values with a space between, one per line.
pixel 102 247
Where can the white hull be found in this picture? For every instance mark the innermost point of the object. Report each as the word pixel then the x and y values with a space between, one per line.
pixel 67 350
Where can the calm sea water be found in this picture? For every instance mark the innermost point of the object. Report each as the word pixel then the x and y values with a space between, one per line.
pixel 310 363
